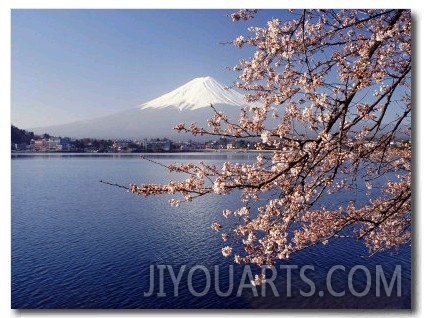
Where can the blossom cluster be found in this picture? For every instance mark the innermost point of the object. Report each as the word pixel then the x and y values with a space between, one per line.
pixel 334 88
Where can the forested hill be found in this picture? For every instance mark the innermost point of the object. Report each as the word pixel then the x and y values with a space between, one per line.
pixel 19 136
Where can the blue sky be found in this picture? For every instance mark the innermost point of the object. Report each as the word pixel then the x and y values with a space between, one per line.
pixel 70 65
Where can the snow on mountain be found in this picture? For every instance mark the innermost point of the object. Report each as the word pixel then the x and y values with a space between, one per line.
pixel 157 118
pixel 198 93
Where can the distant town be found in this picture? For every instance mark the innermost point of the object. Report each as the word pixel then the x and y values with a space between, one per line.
pixel 24 141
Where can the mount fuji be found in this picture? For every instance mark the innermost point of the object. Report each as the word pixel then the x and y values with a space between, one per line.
pixel 156 118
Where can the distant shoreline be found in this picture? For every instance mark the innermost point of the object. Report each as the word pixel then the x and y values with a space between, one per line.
pixel 134 154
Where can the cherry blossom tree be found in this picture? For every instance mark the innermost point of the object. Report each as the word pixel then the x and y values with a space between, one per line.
pixel 333 93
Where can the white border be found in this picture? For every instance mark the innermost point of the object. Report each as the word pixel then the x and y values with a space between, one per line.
pixel 419 258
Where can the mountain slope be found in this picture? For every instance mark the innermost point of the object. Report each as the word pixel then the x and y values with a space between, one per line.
pixel 156 118
pixel 199 93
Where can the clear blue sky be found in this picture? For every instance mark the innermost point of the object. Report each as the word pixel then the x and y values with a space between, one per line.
pixel 70 65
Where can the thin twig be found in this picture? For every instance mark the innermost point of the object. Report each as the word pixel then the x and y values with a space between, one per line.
pixel 114 184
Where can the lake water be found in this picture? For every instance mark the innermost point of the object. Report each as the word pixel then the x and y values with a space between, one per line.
pixel 78 243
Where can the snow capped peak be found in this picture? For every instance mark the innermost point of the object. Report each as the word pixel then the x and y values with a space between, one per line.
pixel 197 93
pixel 202 79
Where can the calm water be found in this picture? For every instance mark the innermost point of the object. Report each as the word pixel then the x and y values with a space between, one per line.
pixel 77 243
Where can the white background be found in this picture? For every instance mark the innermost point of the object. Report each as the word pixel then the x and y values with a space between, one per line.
pixel 419 150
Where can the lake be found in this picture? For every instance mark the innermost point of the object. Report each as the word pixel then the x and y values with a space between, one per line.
pixel 78 243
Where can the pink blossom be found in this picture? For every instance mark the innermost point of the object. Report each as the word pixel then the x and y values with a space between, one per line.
pixel 327 84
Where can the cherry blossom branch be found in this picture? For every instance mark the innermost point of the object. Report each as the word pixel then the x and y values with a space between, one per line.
pixel 332 93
